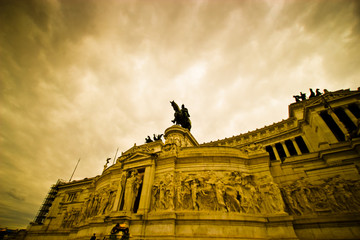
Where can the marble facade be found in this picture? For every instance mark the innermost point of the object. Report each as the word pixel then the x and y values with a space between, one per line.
pixel 295 179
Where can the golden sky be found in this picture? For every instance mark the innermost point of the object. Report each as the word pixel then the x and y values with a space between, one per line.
pixel 81 78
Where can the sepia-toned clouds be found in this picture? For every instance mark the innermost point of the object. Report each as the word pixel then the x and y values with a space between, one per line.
pixel 79 79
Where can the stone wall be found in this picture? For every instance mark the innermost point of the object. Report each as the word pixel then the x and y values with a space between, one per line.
pixel 308 188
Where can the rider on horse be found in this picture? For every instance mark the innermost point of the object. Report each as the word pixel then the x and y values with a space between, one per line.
pixel 181 116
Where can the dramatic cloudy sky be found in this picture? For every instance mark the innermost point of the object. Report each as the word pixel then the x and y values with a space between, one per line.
pixel 80 79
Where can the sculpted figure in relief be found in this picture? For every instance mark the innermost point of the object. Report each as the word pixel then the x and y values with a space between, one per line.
pixel 253 200
pixel 108 200
pixel 155 194
pixel 231 194
pixel 131 190
pixel 249 196
pixel 271 200
pixel 254 148
pixel 329 191
pixel 104 200
pixel 276 199
pixel 333 195
pixel 169 192
pixel 119 192
pixel 180 192
pixel 217 191
pixel 70 218
pixel 86 208
pixel 231 199
pixel 96 205
pixel 301 194
pixel 218 187
pixel 344 196
pixel 175 139
pixel 163 193
pixel 291 202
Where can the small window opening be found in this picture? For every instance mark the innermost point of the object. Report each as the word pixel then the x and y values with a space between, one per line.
pixel 290 146
pixel 280 150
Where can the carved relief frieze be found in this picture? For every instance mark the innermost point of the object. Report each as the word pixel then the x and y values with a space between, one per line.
pixel 71 218
pixel 163 192
pixel 99 202
pixel 253 148
pixel 333 195
pixel 175 138
pixel 216 191
pixel 173 143
pixel 169 149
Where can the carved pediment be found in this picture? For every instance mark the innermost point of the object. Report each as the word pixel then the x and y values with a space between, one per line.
pixel 138 156
pixel 134 156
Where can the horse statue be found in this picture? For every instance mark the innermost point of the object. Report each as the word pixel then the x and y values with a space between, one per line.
pixel 181 116
pixel 148 139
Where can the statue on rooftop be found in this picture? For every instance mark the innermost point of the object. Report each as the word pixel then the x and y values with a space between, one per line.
pixel 297 98
pixel 158 137
pixel 312 93
pixel 148 139
pixel 106 164
pixel 303 96
pixel 182 116
pixel 318 93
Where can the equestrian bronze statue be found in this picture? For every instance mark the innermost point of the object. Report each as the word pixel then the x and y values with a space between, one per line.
pixel 182 116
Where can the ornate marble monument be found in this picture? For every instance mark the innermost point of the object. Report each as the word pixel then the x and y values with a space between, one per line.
pixel 295 179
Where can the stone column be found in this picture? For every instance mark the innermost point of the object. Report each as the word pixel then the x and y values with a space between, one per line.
pixel 275 152
pixel 296 147
pixel 285 149
pixel 326 135
pixel 351 115
pixel 307 144
pixel 119 192
pixel 144 205
pixel 339 123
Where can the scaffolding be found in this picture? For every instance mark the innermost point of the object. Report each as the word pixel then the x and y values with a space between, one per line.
pixel 45 207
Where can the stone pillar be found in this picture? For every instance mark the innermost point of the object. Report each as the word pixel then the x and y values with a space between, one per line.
pixel 307 143
pixel 351 115
pixel 285 149
pixel 296 147
pixel 326 135
pixel 119 192
pixel 275 152
pixel 144 205
pixel 339 123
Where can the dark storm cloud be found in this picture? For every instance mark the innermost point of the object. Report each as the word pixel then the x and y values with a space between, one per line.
pixel 78 79
pixel 333 26
pixel 15 194
pixel 13 217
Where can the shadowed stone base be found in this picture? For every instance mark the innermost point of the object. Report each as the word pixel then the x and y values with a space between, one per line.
pixel 190 225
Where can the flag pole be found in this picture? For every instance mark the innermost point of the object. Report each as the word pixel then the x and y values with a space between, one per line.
pixel 74 170
pixel 115 155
